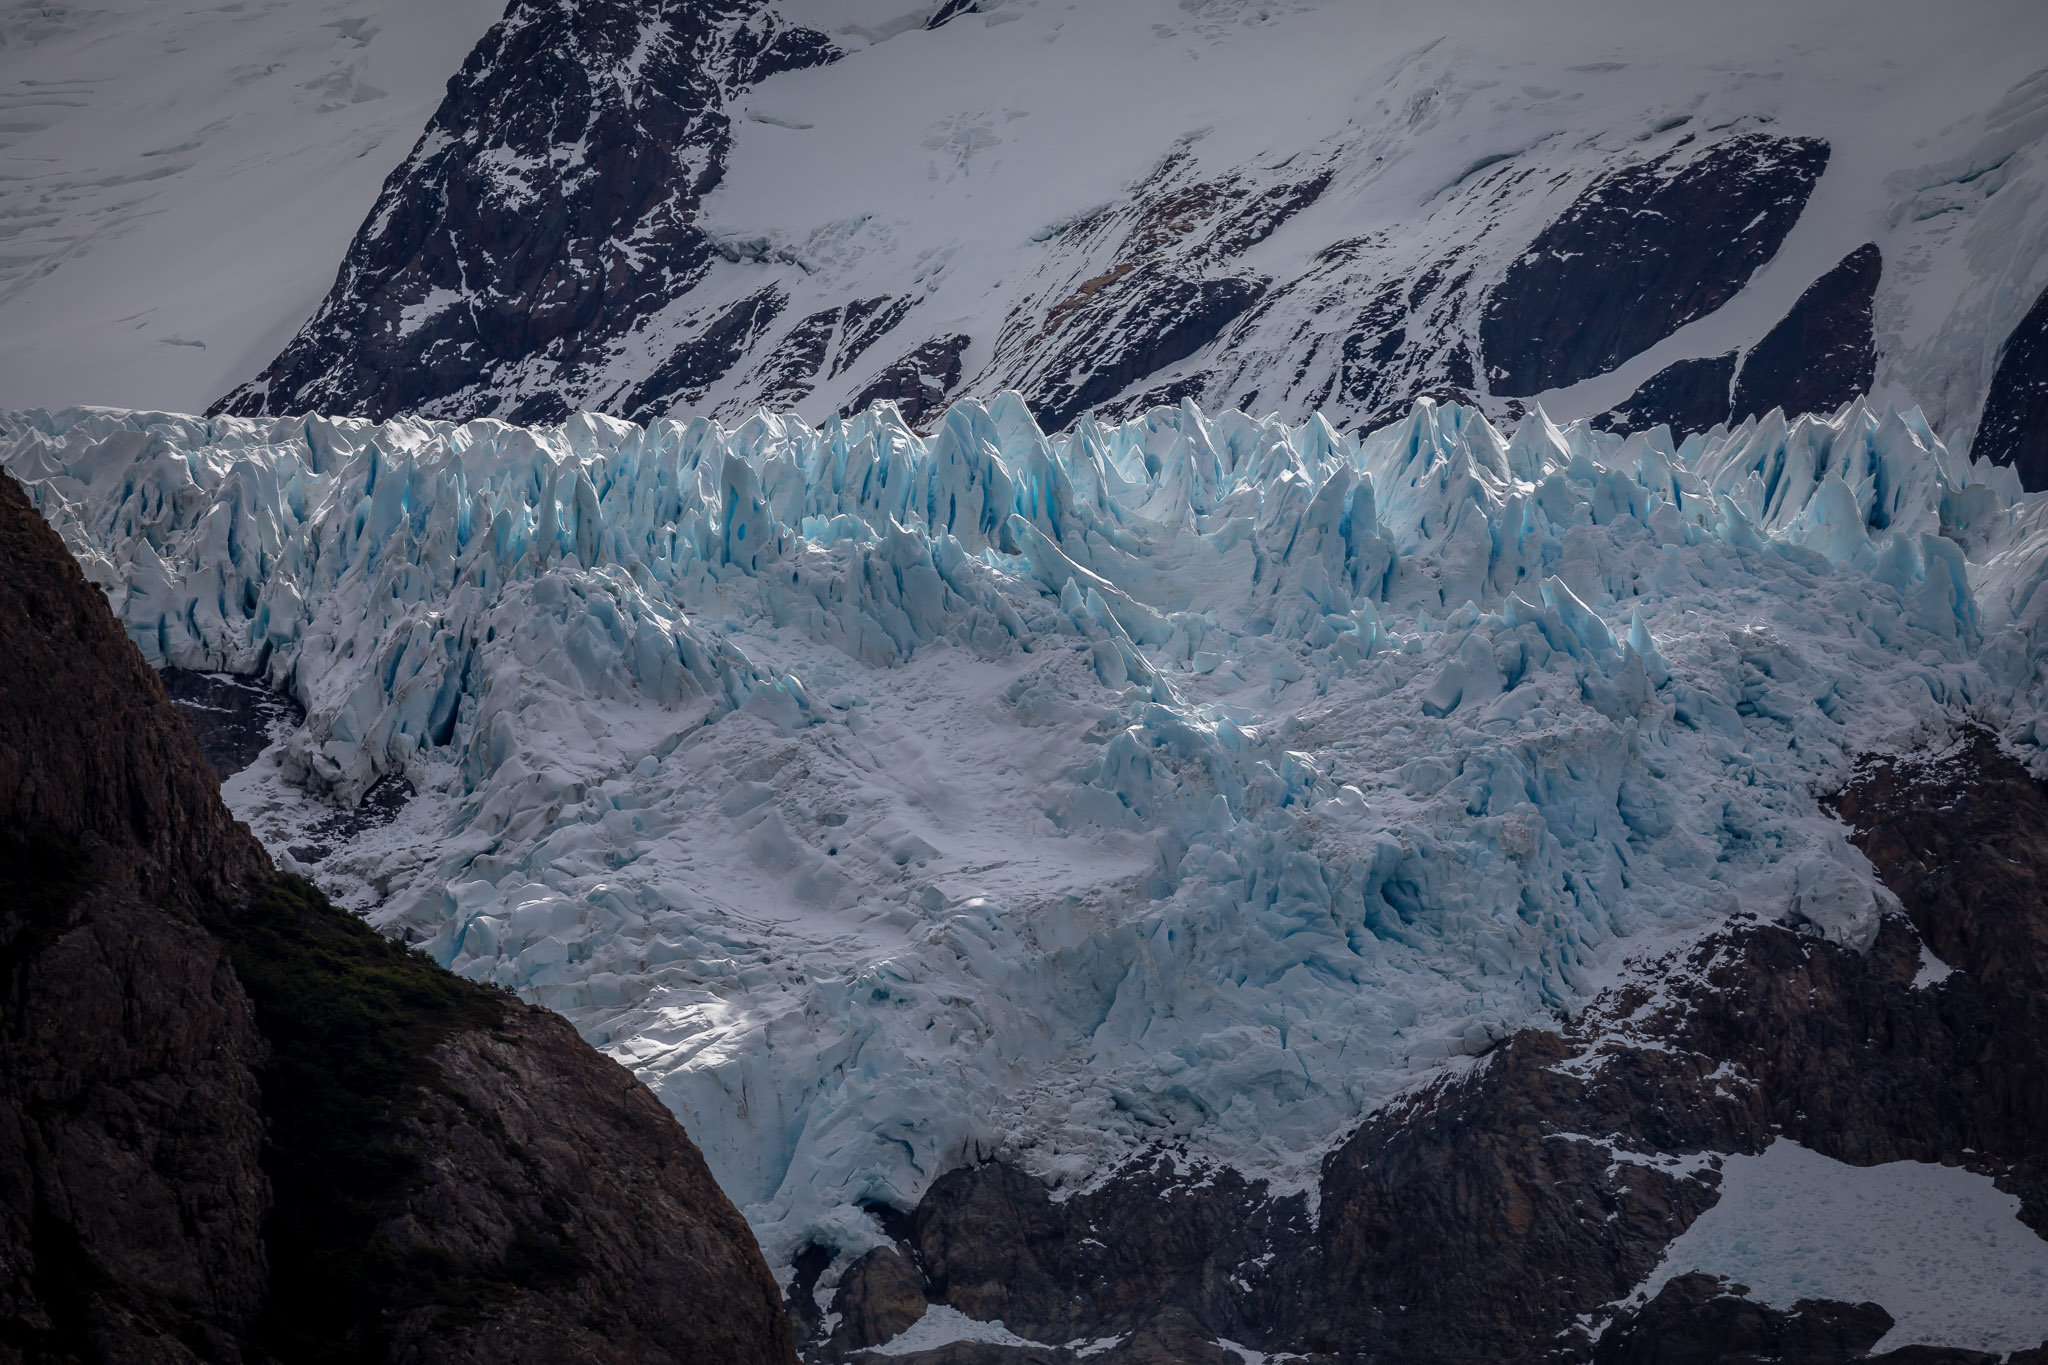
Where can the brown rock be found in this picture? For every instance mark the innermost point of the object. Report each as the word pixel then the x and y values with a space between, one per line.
pixel 1701 1320
pixel 90 751
pixel 1172 1337
pixel 879 1297
pixel 131 1178
pixel 539 1146
pixel 1103 1262
pixel 237 1123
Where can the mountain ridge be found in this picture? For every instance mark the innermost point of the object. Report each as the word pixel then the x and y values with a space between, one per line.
pixel 1388 279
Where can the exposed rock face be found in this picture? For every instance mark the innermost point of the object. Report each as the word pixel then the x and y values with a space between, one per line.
pixel 493 274
pixel 1697 1319
pixel 996 1246
pixel 2014 429
pixel 1494 1217
pixel 704 359
pixel 880 1295
pixel 90 751
pixel 918 383
pixel 649 1260
pixel 235 1123
pixel 1153 281
pixel 1823 353
pixel 1687 395
pixel 1643 252
pixel 230 717
pixel 131 1139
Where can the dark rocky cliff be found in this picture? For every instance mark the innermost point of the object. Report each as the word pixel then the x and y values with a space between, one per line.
pixel 2015 426
pixel 489 269
pixel 1643 252
pixel 236 1124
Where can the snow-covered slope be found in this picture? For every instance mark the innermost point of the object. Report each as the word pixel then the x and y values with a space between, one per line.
pixel 1283 207
pixel 886 799
pixel 178 181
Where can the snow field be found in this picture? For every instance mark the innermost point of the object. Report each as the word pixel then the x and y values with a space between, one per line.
pixel 179 182
pixel 884 800
pixel 1939 1247
pixel 955 166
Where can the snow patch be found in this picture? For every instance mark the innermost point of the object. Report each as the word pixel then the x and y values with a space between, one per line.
pixel 943 1325
pixel 1939 1248
pixel 1933 971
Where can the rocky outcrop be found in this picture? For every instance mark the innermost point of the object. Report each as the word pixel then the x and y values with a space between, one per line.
pixel 1700 1320
pixel 2014 429
pixel 1503 1214
pixel 703 360
pixel 918 384
pixel 1686 395
pixel 1823 353
pixel 132 1189
pixel 497 270
pixel 880 1296
pixel 634 1253
pixel 995 1245
pixel 90 751
pixel 1645 250
pixel 1162 280
pixel 841 335
pixel 232 718
pixel 237 1124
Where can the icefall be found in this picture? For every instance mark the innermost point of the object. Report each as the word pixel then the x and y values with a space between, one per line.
pixel 885 800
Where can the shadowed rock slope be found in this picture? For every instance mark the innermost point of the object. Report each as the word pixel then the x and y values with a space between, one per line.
pixel 236 1124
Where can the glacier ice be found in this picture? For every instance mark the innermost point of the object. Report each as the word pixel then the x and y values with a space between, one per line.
pixel 886 800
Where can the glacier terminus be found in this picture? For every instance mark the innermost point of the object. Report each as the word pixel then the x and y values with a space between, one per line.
pixel 1194 783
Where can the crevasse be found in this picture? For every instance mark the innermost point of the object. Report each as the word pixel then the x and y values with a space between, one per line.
pixel 885 800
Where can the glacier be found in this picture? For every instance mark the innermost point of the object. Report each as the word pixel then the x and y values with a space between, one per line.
pixel 887 800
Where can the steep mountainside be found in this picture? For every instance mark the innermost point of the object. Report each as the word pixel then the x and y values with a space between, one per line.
pixel 713 207
pixel 180 180
pixel 241 1125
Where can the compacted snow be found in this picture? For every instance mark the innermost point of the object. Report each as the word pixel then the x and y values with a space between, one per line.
pixel 178 181
pixel 1942 1249
pixel 885 800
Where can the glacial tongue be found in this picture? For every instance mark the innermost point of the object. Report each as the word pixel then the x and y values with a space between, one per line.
pixel 889 801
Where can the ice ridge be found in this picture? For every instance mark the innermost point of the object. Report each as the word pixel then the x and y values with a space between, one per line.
pixel 887 799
